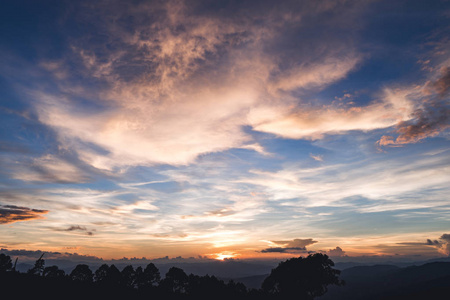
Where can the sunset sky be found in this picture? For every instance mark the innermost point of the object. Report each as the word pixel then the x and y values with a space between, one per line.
pixel 245 129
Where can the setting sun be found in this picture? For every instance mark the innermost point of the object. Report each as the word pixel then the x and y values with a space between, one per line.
pixel 224 255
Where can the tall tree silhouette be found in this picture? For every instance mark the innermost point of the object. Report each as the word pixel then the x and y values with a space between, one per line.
pixel 149 277
pixel 302 278
pixel 108 275
pixel 101 274
pixel 128 276
pixel 38 267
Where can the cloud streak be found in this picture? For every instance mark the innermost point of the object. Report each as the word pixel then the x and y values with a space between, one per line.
pixel 294 246
pixel 11 214
pixel 76 228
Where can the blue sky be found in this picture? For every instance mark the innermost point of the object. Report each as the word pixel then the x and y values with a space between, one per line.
pixel 233 129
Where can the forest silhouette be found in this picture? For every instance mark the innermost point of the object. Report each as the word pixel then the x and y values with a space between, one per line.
pixel 296 278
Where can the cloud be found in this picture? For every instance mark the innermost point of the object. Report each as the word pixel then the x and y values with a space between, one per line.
pixel 442 244
pixel 374 179
pixel 316 75
pixel 76 228
pixel 294 246
pixel 336 252
pixel 316 157
pixel 189 81
pixel 442 85
pixel 12 213
pixel 50 168
pixel 284 250
pixel 432 243
pixel 428 120
pixel 33 254
pixel 445 245
pixel 315 122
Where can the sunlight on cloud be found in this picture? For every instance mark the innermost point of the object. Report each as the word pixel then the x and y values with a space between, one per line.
pixel 317 75
pixel 172 95
pixel 314 123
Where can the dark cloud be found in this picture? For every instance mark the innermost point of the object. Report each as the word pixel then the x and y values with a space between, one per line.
pixel 445 237
pixel 427 121
pixel 33 254
pixel 12 213
pixel 284 250
pixel 294 246
pixel 76 228
pixel 442 85
pixel 432 243
pixel 442 245
pixel 24 253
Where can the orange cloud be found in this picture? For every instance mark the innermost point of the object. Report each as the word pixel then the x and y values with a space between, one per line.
pixel 12 213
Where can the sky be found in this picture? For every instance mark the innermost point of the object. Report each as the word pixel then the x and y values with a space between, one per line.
pixel 225 129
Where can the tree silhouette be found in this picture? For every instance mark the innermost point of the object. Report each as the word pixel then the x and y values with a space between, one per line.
pixel 101 274
pixel 5 263
pixel 236 288
pixel 138 278
pixel 114 276
pixel 128 276
pixel 176 281
pixel 149 277
pixel 53 272
pixel 81 273
pixel 302 278
pixel 108 275
pixel 38 267
pixel 205 286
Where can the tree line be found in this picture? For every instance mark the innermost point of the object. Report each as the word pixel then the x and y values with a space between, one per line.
pixel 295 278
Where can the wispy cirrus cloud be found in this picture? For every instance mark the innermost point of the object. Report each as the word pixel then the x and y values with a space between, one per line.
pixel 325 185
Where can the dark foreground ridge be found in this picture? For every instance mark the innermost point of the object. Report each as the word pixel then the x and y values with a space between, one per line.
pixel 307 278
pixel 299 278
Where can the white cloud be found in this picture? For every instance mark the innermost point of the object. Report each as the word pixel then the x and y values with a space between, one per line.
pixel 50 168
pixel 183 85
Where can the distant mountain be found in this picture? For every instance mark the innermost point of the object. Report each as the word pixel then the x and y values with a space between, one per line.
pixel 392 282
pixel 251 282
pixel 222 269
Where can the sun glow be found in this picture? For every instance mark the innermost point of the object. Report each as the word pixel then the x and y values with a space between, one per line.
pixel 224 255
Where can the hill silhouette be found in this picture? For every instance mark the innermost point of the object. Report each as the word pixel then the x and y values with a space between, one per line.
pixel 392 282
pixel 308 276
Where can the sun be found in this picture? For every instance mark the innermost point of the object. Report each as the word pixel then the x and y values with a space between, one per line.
pixel 224 255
